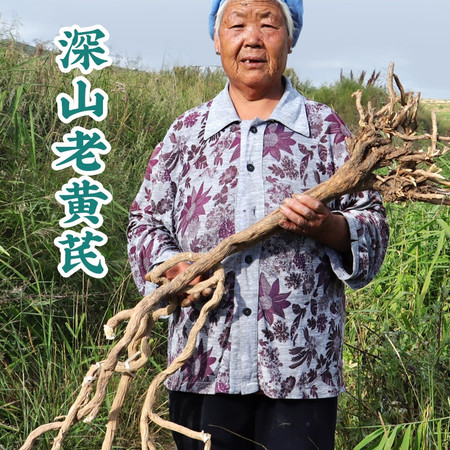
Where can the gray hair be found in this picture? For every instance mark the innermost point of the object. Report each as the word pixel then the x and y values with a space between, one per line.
pixel 284 9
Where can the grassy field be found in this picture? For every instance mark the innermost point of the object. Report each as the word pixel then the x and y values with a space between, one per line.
pixel 442 109
pixel 51 328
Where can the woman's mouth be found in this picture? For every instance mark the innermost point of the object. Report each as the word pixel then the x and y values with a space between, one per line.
pixel 253 60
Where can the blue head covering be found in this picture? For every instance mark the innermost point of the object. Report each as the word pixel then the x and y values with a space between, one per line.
pixel 296 7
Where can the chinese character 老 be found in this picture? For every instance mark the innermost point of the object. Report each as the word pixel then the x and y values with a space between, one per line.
pixel 81 150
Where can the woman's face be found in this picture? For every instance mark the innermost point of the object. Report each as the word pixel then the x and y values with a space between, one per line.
pixel 253 43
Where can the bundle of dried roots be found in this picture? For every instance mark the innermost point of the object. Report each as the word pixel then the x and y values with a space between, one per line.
pixel 386 154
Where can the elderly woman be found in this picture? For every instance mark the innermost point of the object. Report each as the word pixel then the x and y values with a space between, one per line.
pixel 267 370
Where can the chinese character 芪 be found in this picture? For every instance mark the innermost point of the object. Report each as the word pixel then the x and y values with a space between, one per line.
pixel 81 150
pixel 83 198
pixel 84 102
pixel 82 48
pixel 78 252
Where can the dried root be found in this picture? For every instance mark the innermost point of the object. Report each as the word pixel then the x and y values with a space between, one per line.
pixel 386 139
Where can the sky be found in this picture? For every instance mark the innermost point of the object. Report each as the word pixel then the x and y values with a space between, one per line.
pixel 347 35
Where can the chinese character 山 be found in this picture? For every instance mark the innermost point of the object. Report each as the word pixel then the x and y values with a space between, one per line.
pixel 84 102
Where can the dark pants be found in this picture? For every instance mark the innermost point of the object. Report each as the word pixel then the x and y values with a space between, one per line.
pixel 254 422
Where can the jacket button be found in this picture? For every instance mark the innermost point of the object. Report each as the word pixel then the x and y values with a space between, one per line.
pixel 248 259
pixel 253 129
pixel 247 311
pixel 250 167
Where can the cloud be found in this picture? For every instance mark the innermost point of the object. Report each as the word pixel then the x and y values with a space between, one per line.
pixel 352 35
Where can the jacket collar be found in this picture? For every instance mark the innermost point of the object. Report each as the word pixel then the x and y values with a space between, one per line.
pixel 290 111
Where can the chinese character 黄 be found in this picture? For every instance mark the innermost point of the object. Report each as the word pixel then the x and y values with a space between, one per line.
pixel 83 198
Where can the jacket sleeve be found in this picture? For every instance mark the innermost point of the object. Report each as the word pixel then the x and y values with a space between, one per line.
pixel 366 218
pixel 369 235
pixel 151 230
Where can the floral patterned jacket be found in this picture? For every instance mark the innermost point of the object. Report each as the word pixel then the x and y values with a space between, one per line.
pixel 279 327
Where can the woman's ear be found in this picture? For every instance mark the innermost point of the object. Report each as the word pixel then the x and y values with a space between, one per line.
pixel 217 43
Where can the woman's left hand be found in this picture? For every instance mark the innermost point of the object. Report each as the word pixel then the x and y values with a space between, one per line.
pixel 309 217
pixel 305 215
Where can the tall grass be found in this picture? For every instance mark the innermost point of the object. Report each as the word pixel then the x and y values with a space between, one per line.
pixel 442 110
pixel 397 339
pixel 51 328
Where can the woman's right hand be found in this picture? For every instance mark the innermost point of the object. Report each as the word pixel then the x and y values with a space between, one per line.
pixel 184 298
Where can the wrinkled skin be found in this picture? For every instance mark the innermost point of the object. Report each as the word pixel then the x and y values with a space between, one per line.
pixel 253 43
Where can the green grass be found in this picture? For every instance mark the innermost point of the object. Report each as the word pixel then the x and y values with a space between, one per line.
pixel 47 345
pixel 397 339
pixel 442 110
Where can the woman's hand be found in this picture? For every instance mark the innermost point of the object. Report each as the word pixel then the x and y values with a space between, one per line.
pixel 307 216
pixel 186 299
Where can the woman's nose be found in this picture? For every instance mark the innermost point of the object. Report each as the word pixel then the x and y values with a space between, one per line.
pixel 253 37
